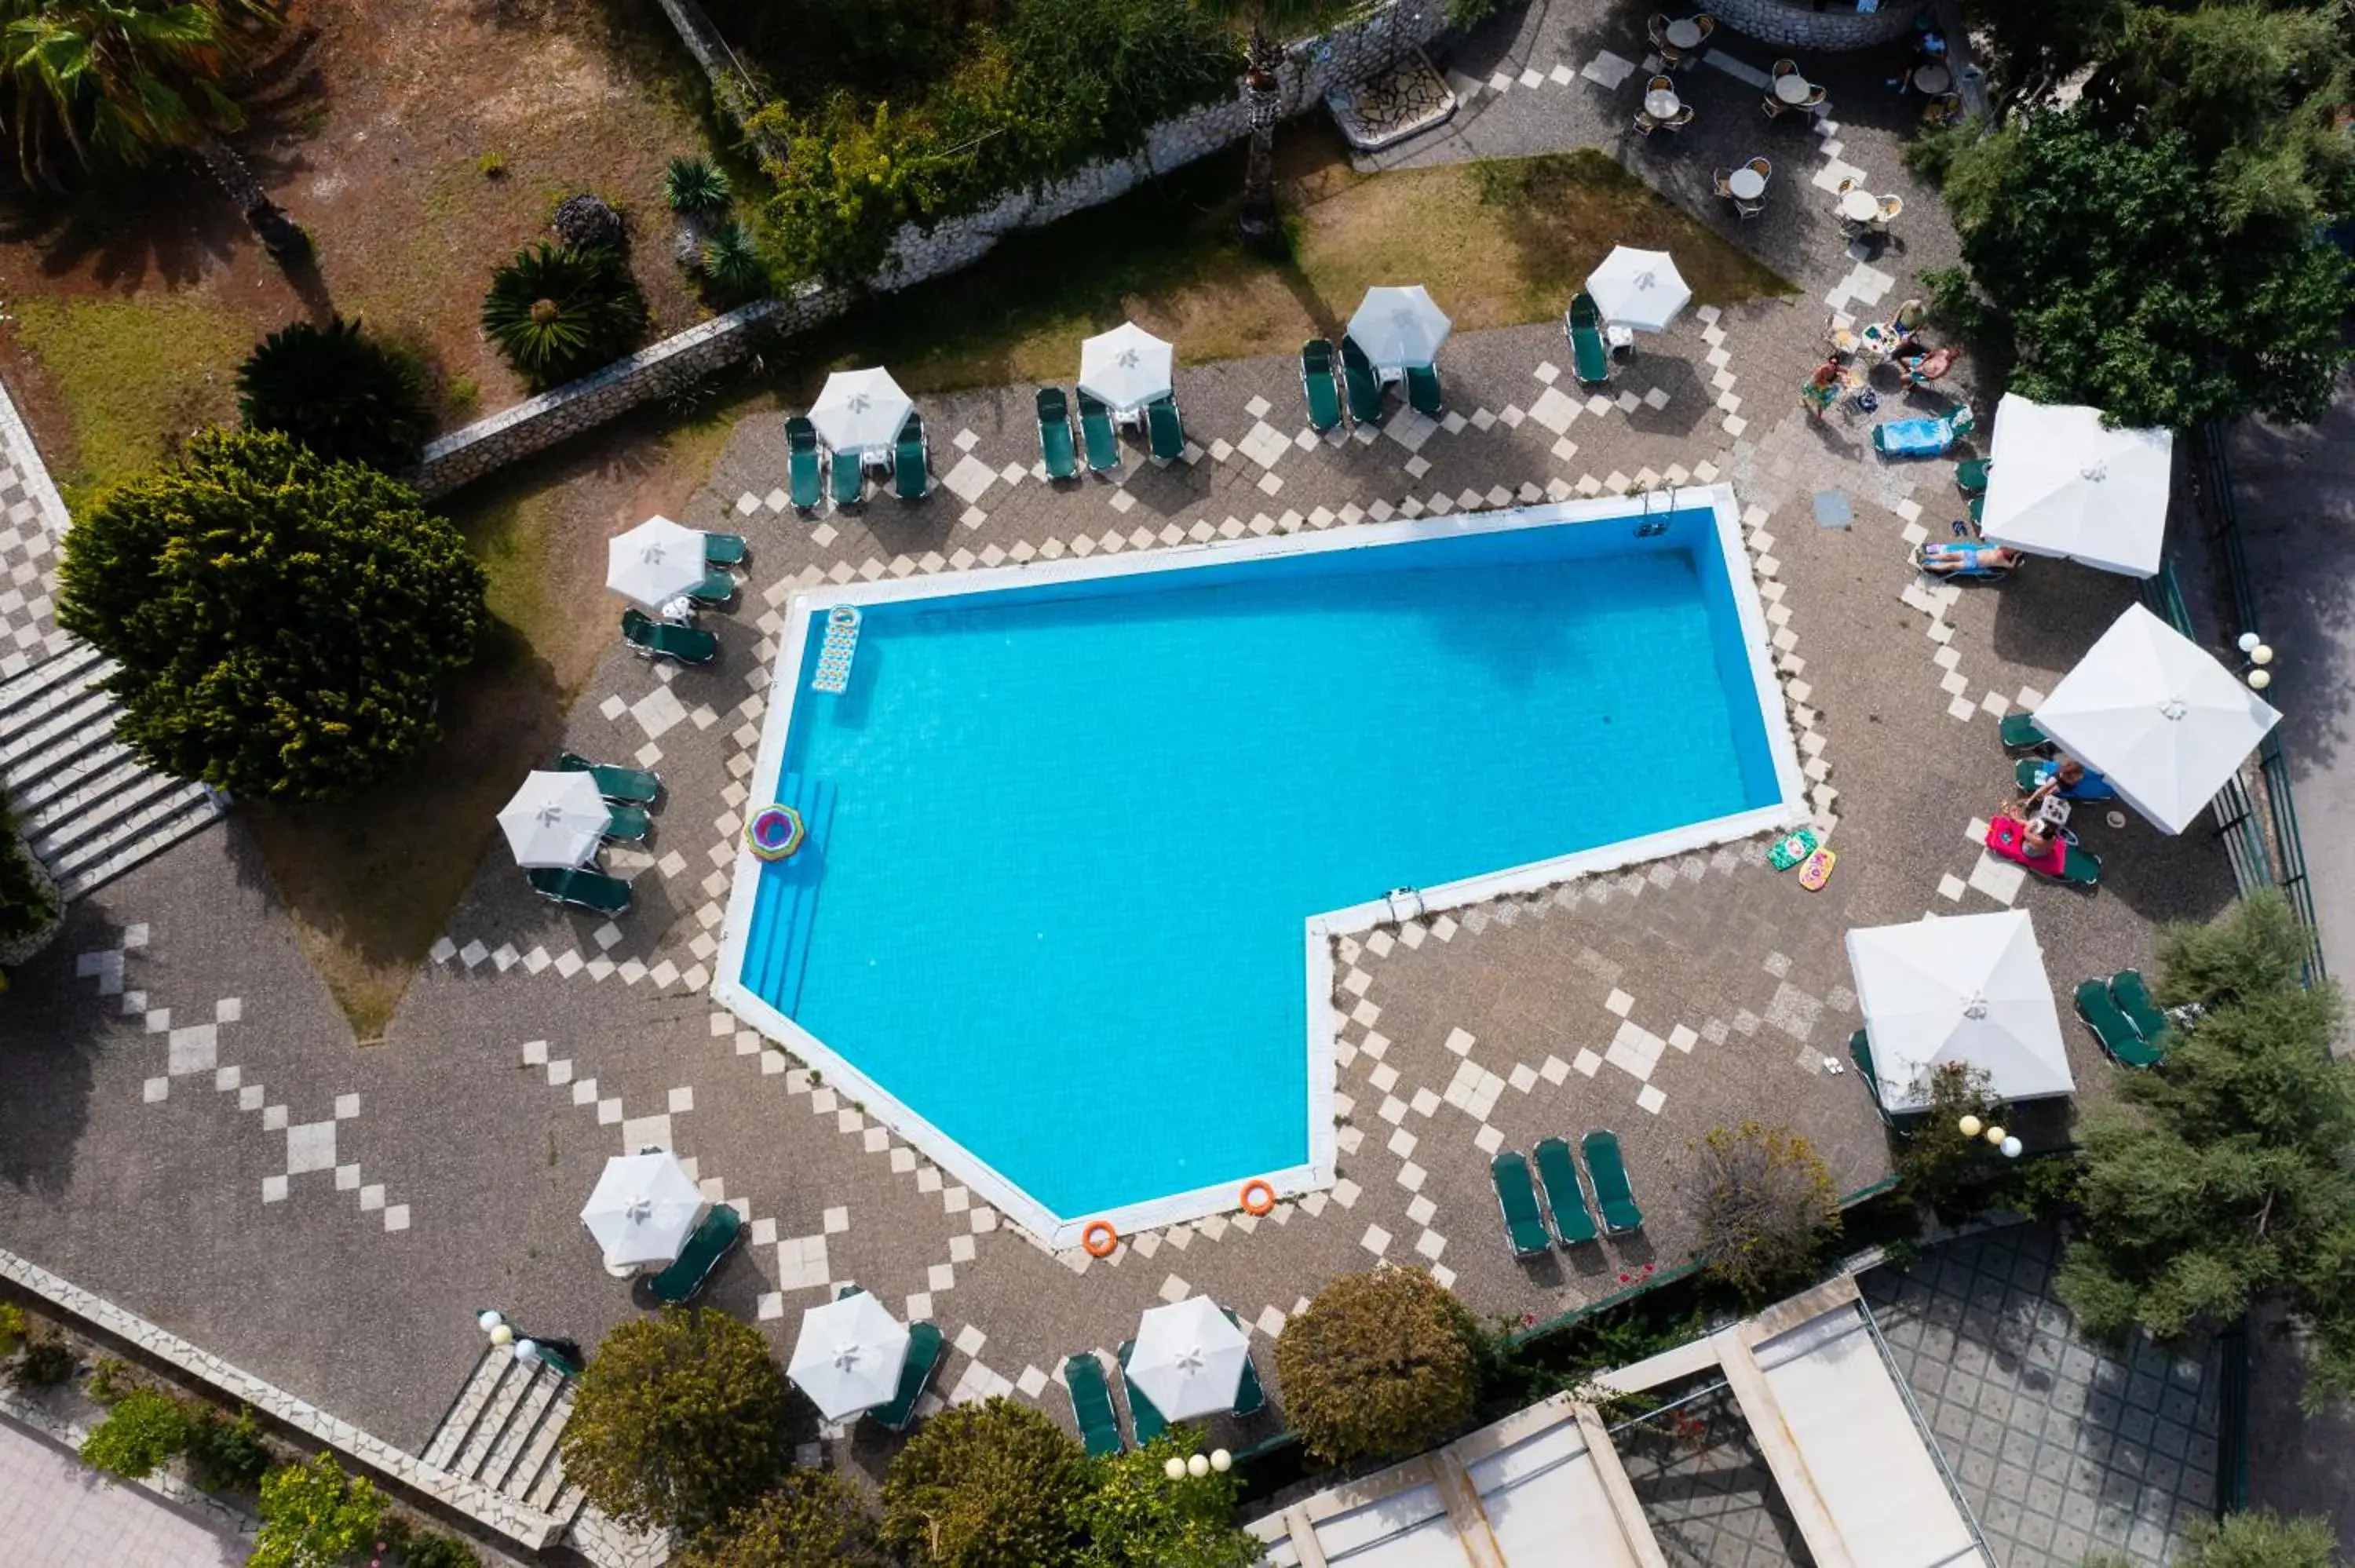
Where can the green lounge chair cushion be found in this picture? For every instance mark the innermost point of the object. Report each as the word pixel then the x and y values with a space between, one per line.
pixel 717 587
pixel 801 463
pixel 1971 476
pixel 1147 1421
pixel 924 1347
pixel 1423 390
pixel 1055 434
pixel 1559 1172
pixel 1509 1174
pixel 1317 382
pixel 678 1285
pixel 1364 388
pixel 628 823
pixel 581 886
pixel 633 786
pixel 1608 1170
pixel 2021 733
pixel 1590 354
pixel 2121 1041
pixel 908 475
pixel 2133 997
pixel 688 644
pixel 724 549
pixel 1083 1375
pixel 1250 1397
pixel 1169 435
pixel 849 479
pixel 1095 428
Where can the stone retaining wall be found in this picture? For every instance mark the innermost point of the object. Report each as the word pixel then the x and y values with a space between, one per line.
pixel 1797 25
pixel 1313 68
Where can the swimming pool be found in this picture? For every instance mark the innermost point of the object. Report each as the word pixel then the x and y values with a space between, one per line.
pixel 1073 829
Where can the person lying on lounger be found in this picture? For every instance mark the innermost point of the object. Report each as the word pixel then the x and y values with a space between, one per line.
pixel 2073 780
pixel 1965 556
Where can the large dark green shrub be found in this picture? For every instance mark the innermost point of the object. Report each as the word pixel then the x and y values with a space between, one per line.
pixel 679 1422
pixel 338 391
pixel 557 313
pixel 1765 1207
pixel 813 1519
pixel 1135 1516
pixel 1939 1163
pixel 45 1362
pixel 1381 1364
pixel 283 624
pixel 26 904
pixel 229 1453
pixel 144 1429
pixel 2261 1540
pixel 992 1485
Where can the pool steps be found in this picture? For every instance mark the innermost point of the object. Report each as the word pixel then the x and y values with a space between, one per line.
pixel 787 895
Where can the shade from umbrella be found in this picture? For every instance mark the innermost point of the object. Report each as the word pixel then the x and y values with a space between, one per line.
pixel 848 1356
pixel 643 1208
pixel 556 819
pixel 1189 1359
pixel 1964 989
pixel 2156 714
pixel 859 411
pixel 654 562
pixel 2060 484
pixel 1126 368
pixel 1398 328
pixel 1639 288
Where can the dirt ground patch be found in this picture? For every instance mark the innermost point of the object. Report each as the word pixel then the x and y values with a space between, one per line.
pixel 375 129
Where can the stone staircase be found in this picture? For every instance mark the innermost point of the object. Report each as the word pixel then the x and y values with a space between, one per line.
pixel 86 806
pixel 501 1434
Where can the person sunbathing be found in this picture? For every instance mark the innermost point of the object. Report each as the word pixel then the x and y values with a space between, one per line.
pixel 1965 556
pixel 2073 780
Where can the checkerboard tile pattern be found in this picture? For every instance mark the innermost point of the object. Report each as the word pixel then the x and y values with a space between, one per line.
pixel 32 524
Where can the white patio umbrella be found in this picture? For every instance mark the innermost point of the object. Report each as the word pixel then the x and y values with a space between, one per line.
pixel 859 411
pixel 1639 288
pixel 1399 327
pixel 2156 714
pixel 643 1208
pixel 1188 1360
pixel 1967 988
pixel 1125 368
pixel 848 1356
pixel 2060 484
pixel 556 819
pixel 654 562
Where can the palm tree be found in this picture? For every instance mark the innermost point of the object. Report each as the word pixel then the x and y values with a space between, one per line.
pixel 121 79
pixel 1268 21
pixel 557 313
pixel 338 391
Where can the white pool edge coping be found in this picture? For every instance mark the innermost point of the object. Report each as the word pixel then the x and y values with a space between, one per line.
pixel 1319 930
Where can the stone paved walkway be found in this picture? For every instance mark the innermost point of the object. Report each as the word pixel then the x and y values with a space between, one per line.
pixel 56 1513
pixel 32 524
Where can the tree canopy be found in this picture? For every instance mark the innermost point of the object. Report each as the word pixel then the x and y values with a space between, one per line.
pixel 813 1519
pixel 282 622
pixel 992 1485
pixel 1381 1364
pixel 1135 1516
pixel 1765 1206
pixel 2227 1173
pixel 338 391
pixel 679 1421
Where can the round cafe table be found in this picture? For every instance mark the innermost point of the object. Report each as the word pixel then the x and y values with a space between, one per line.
pixel 1661 104
pixel 1684 33
pixel 1793 87
pixel 1860 206
pixel 1933 79
pixel 1747 183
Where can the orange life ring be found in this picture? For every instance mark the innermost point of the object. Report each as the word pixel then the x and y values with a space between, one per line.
pixel 1266 1204
pixel 1099 1246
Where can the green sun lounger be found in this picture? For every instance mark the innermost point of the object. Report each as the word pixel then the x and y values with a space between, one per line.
pixel 1509 1174
pixel 846 477
pixel 1971 476
pixel 1166 431
pixel 1084 1377
pixel 1589 356
pixel 718 588
pixel 1423 390
pixel 1608 1171
pixel 583 887
pixel 911 477
pixel 1559 1173
pixel 725 550
pixel 1319 384
pixel 2020 732
pixel 1250 1397
pixel 1055 448
pixel 1148 1422
pixel 1096 434
pixel 1859 1050
pixel 684 1281
pixel 2121 1041
pixel 925 1345
pixel 2133 997
pixel 1364 388
pixel 655 638
pixel 627 785
pixel 802 465
pixel 630 825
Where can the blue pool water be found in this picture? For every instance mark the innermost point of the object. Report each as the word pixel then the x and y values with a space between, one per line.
pixel 1063 837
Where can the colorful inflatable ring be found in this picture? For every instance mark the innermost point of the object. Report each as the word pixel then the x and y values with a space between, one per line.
pixel 1267 1198
pixel 1100 1239
pixel 774 831
pixel 842 615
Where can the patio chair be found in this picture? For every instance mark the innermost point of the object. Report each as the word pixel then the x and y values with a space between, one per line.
pixel 1250 1397
pixel 1095 428
pixel 1724 180
pixel 628 824
pixel 925 1345
pixel 652 639
pixel 1761 167
pixel 801 464
pixel 2064 862
pixel 1891 206
pixel 846 480
pixel 1517 1199
pixel 1785 67
pixel 1164 430
pixel 1055 449
pixel 1147 1422
pixel 684 1281
pixel 1656 27
pixel 725 550
pixel 1589 356
pixel 1660 84
pixel 1319 384
pixel 1971 476
pixel 1680 120
pixel 582 887
pixel 2020 732
pixel 2121 1041
pixel 716 589
pixel 629 786
pixel 1608 1171
pixel 1644 123
pixel 1084 1378
pixel 1559 1172
pixel 1945 108
pixel 912 457
pixel 1364 388
pixel 2133 997
pixel 1423 393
